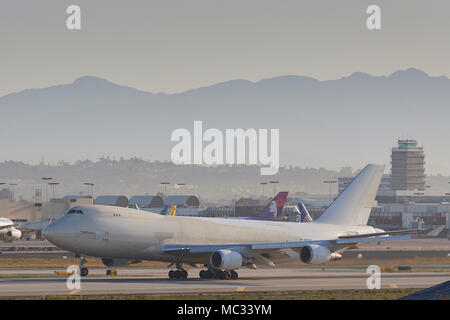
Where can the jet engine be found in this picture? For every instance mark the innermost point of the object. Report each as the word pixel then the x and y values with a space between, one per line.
pixel 14 233
pixel 118 262
pixel 226 260
pixel 316 254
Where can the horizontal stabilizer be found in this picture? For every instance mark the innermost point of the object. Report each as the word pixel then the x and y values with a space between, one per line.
pixel 397 232
pixel 370 239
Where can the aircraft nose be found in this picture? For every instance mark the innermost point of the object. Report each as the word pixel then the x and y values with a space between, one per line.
pixel 49 232
pixel 60 232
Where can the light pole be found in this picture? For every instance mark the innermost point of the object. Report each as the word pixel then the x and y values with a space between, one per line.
pixel 46 180
pixel 274 183
pixel 426 190
pixel 13 187
pixel 263 185
pixel 90 186
pixel 53 184
pixel 178 185
pixel 2 183
pixel 165 183
pixel 330 183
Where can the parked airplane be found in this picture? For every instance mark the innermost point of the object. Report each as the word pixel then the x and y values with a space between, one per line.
pixel 121 236
pixel 8 229
pixel 271 211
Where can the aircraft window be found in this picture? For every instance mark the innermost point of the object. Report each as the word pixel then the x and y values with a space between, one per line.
pixel 75 211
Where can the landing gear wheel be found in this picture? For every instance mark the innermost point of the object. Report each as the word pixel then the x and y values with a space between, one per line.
pixel 209 274
pixel 234 275
pixel 227 275
pixel 84 272
pixel 178 274
pixel 202 274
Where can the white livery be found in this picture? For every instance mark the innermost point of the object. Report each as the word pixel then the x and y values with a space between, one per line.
pixel 8 229
pixel 121 235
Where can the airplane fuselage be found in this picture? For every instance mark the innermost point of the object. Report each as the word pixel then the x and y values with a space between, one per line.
pixel 113 232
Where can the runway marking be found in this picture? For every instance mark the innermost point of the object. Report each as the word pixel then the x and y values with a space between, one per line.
pixel 73 292
pixel 393 286
pixel 240 289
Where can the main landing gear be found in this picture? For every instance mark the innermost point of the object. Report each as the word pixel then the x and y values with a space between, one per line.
pixel 218 274
pixel 83 270
pixel 179 273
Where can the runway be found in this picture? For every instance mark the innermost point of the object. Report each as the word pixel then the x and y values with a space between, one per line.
pixel 154 281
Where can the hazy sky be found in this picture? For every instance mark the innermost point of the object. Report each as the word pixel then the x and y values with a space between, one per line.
pixel 171 46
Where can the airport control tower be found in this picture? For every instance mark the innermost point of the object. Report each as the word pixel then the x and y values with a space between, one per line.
pixel 408 166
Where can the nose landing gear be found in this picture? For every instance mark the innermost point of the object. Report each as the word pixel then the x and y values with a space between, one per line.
pixel 83 270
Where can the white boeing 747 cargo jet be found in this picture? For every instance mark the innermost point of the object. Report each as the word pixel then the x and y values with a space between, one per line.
pixel 121 236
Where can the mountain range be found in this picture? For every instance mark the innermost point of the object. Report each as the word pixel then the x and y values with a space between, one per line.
pixel 335 123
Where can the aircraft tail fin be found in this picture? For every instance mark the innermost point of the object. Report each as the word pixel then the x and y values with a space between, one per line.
pixel 273 209
pixel 304 214
pixel 164 210
pixel 353 205
pixel 173 211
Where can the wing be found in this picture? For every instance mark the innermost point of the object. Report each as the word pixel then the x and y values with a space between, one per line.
pixel 267 253
pixel 7 226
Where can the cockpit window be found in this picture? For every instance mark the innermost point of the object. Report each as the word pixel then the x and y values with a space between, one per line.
pixel 75 211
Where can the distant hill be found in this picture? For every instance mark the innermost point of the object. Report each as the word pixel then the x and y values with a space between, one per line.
pixel 335 123
pixel 136 176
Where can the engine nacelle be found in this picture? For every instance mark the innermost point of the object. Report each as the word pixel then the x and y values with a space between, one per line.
pixel 118 262
pixel 226 260
pixel 316 254
pixel 14 234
